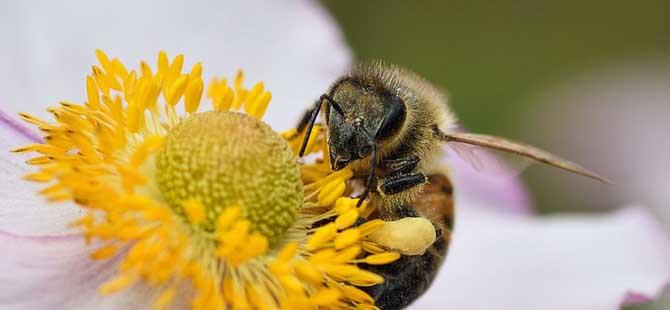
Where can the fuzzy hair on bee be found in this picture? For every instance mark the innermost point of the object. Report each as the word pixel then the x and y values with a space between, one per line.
pixel 388 125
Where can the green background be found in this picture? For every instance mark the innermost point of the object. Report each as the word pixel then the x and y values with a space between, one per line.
pixel 489 56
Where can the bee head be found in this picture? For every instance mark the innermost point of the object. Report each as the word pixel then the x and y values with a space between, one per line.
pixel 360 117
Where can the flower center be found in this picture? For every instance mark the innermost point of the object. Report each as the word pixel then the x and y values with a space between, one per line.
pixel 224 159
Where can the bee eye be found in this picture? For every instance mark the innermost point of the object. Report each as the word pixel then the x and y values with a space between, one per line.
pixel 364 151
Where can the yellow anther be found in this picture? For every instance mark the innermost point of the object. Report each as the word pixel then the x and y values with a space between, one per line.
pixel 145 69
pixel 92 93
pixel 119 69
pixel 365 278
pixel 370 227
pixel 149 146
pixel 260 105
pixel 104 252
pixel 291 283
pixel 193 95
pixel 344 204
pixel 227 217
pixel 322 235
pixel 135 117
pixel 306 271
pixel 382 258
pixel 103 59
pixel 196 71
pixel 326 297
pixel 347 238
pixel 165 298
pixel 116 284
pixel 356 294
pixel 194 211
pixel 251 97
pixel 176 90
pixel 331 191
pixel 163 65
pixel 348 254
pixel 346 219
pixel 288 252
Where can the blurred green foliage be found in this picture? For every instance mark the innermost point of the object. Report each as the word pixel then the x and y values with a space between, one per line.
pixel 490 55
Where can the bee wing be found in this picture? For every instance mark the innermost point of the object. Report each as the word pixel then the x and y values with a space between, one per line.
pixel 488 161
pixel 521 149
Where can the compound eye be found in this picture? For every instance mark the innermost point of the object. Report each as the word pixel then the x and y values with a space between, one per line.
pixel 364 151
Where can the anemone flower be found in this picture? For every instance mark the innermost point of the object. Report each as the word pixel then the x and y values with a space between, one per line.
pixel 161 243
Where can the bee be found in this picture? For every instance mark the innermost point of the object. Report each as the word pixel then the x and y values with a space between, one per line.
pixel 388 125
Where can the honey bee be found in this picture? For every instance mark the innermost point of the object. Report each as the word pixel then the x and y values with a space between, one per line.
pixel 388 125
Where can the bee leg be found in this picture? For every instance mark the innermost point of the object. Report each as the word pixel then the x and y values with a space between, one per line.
pixel 409 277
pixel 400 182
pixel 402 165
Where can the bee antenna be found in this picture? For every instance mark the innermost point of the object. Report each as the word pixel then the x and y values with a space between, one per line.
pixel 313 116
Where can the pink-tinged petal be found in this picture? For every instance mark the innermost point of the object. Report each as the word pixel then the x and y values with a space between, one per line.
pixel 293 46
pixel 56 273
pixel 634 298
pixel 22 211
pixel 488 189
pixel 554 262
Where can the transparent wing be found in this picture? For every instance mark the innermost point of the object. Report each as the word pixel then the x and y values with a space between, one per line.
pixel 490 162
pixel 515 148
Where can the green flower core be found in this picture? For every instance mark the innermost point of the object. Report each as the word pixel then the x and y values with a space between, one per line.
pixel 224 159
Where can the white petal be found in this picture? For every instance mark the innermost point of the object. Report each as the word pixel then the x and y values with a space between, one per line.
pixel 57 273
pixel 293 46
pixel 554 262
pixel 21 210
pixel 48 47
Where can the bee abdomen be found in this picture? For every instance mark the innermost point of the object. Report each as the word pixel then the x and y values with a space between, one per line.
pixel 409 277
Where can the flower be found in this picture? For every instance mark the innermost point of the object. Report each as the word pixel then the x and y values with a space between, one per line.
pixel 212 197
pixel 298 51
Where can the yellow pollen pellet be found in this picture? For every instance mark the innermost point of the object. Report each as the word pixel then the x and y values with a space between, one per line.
pixel 347 238
pixel 322 235
pixel 382 258
pixel 347 219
